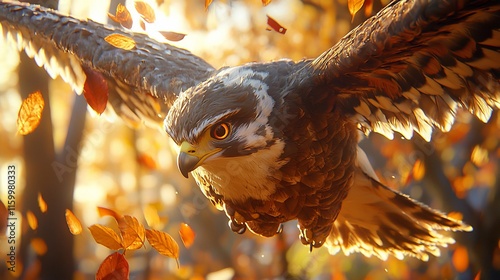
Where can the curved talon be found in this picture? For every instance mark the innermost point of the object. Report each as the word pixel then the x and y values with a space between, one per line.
pixel 237 227
pixel 280 229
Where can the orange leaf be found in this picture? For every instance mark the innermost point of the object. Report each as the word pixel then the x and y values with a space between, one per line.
pixel 207 3
pixel 163 243
pixel 30 113
pixel 275 25
pixel 151 216
pixel 460 259
pixel 106 237
pixel 114 267
pixel 120 41
pixel 132 231
pixel 146 161
pixel 74 225
pixel 143 25
pixel 172 36
pixel 354 6
pixel 187 235
pixel 418 170
pixel 266 2
pixel 39 246
pixel 146 12
pixel 368 8
pixel 108 212
pixel 41 203
pixel 95 90
pixel 122 17
pixel 32 220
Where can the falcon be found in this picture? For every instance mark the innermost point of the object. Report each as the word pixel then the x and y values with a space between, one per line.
pixel 278 141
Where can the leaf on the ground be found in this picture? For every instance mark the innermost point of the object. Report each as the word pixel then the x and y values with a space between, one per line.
pixel 39 246
pixel 41 203
pixel 122 16
pixel 32 220
pixel 106 236
pixel 187 235
pixel 172 36
pixel 163 243
pixel 30 113
pixel 274 25
pixel 120 41
pixel 103 211
pixel 354 6
pixel 114 267
pixel 133 232
pixel 74 225
pixel 145 10
pixel 95 90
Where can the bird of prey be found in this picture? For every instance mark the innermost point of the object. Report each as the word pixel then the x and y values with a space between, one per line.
pixel 278 141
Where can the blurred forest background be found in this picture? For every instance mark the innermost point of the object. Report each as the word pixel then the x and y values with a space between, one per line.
pixel 78 161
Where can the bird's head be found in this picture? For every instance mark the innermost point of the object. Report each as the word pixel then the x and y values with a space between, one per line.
pixel 224 120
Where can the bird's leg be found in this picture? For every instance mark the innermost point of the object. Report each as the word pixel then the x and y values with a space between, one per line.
pixel 314 236
pixel 235 225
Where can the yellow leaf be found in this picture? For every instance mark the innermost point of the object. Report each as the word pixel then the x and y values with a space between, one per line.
pixel 133 232
pixel 151 216
pixel 32 220
pixel 418 170
pixel 106 237
pixel 354 6
pixel 39 246
pixel 120 41
pixel 30 113
pixel 74 225
pixel 147 13
pixel 123 16
pixel 41 203
pixel 187 235
pixel 163 243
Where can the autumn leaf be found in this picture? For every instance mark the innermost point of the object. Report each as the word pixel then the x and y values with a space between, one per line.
pixel 74 225
pixel 418 170
pixel 122 17
pixel 266 2
pixel 114 267
pixel 39 246
pixel 187 235
pixel 120 41
pixel 32 220
pixel 144 9
pixel 163 243
pixel 106 237
pixel 30 113
pixel 460 259
pixel 354 6
pixel 133 232
pixel 95 90
pixel 207 4
pixel 41 203
pixel 275 25
pixel 172 36
pixel 108 212
pixel 147 161
pixel 368 8
pixel 151 216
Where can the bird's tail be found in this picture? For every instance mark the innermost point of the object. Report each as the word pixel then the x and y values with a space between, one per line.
pixel 376 220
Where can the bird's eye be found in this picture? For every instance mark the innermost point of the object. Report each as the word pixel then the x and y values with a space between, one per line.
pixel 220 131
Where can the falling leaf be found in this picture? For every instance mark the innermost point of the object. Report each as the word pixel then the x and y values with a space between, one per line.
pixel 106 236
pixel 172 36
pixel 32 220
pixel 146 161
pixel 163 243
pixel 41 203
pixel 368 8
pixel 354 6
pixel 108 212
pixel 114 267
pixel 479 156
pixel 74 225
pixel 460 259
pixel 39 246
pixel 120 41
pixel 30 113
pixel 266 2
pixel 146 12
pixel 132 231
pixel 95 90
pixel 151 216
pixel 418 170
pixel 122 17
pixel 275 25
pixel 207 4
pixel 143 25
pixel 187 235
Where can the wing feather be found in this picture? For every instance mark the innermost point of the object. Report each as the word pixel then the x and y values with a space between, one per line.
pixel 412 65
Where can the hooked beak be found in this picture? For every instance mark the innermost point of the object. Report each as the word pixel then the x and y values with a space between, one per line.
pixel 190 157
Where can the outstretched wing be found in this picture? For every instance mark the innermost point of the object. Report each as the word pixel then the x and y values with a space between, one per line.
pixel 409 67
pixel 143 82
